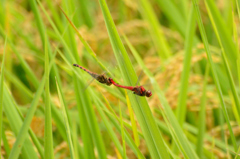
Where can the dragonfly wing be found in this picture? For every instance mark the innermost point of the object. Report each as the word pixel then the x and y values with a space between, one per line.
pixel 88 84
pixel 139 77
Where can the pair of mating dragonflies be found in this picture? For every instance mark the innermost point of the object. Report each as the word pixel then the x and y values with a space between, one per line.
pixel 102 78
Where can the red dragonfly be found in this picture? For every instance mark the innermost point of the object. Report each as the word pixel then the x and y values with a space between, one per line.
pixel 138 90
pixel 102 78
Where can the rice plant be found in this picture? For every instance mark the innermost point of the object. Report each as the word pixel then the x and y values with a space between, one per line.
pixel 185 52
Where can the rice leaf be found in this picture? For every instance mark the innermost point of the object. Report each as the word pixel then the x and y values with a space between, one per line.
pixel 1 91
pixel 143 113
pixel 122 132
pixel 15 123
pixel 133 122
pixel 169 113
pixel 48 139
pixel 216 80
pixel 202 116
pixel 155 29
pixel 67 127
pixel 182 98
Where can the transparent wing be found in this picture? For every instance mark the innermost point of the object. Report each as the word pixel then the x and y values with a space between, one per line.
pixel 139 77
pixel 88 84
pixel 92 81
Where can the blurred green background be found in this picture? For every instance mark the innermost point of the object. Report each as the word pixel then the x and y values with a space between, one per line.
pixel 189 56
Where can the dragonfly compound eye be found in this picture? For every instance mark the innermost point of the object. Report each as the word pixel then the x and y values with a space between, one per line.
pixel 148 93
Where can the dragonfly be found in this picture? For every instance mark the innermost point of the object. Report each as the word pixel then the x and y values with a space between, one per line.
pixel 102 78
pixel 138 90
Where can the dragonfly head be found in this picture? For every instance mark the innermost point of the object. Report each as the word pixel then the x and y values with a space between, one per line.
pixel 148 93
pixel 109 81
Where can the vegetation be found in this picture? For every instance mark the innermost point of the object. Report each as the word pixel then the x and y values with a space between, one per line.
pixel 187 52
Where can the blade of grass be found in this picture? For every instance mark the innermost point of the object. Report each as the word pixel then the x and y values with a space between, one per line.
pixel 23 63
pixel 122 132
pixel 42 30
pixel 214 74
pixel 75 139
pixel 6 144
pixel 202 116
pixel 48 139
pixel 226 63
pixel 67 127
pixel 133 122
pixel 15 123
pixel 82 101
pixel 169 113
pixel 174 15
pixel 182 98
pixel 173 134
pixel 223 32
pixel 84 127
pixel 32 135
pixel 142 111
pixel 84 106
pixel 129 141
pixel 18 83
pixel 25 127
pixel 155 29
pixel 33 79
pixel 107 124
pixel 1 91
pixel 23 133
pixel 236 42
pixel 183 8
pixel 55 114
pixel 86 45
pixel 86 15
pixel 234 109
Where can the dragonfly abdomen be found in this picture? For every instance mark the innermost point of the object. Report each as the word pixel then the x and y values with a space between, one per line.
pixel 86 70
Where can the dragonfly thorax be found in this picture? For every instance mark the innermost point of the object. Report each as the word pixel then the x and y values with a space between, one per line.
pixel 103 79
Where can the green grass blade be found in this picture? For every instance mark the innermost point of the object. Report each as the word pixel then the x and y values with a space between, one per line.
pixel 67 127
pixel 42 31
pixel 84 8
pixel 114 117
pixel 107 124
pixel 221 30
pixel 23 63
pixel 122 132
pixel 6 144
pixel 183 8
pixel 31 133
pixel 23 133
pixel 16 81
pixel 169 113
pixel 235 31
pixel 86 45
pixel 234 109
pixel 1 91
pixel 202 116
pixel 134 126
pixel 214 74
pixel 174 15
pixel 145 118
pixel 182 98
pixel 227 66
pixel 25 127
pixel 48 139
pixel 129 140
pixel 156 32
pixel 84 101
pixel 15 122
